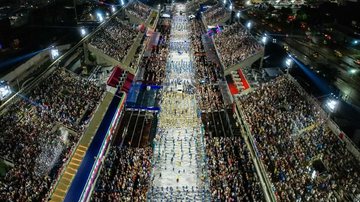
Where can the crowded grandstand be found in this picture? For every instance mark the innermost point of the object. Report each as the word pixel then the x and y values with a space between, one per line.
pixel 235 44
pixel 171 130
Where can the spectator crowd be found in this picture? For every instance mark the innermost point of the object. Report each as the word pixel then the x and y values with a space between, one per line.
pixel 207 70
pixel 155 64
pixel 235 44
pixel 232 174
pixel 292 138
pixel 139 10
pixel 115 39
pixel 210 98
pixel 125 175
pixel 215 14
pixel 31 140
pixel 231 171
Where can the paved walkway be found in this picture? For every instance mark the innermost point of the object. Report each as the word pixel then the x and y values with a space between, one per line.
pixel 179 172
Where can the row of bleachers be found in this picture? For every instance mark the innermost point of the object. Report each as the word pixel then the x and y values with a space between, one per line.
pixel 232 174
pixel 125 175
pixel 235 44
pixel 231 171
pixel 31 137
pixel 210 98
pixel 304 159
pixel 139 10
pixel 155 63
pixel 115 39
pixel 207 71
pixel 215 14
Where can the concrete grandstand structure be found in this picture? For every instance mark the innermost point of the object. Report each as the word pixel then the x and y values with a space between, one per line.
pixel 161 123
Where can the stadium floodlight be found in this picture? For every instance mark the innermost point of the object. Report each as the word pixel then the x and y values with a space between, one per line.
pixel 122 2
pixel 264 39
pixel 5 90
pixel 288 62
pixel 238 14
pixel 353 71
pixel 54 53
pixel 231 7
pixel 248 25
pixel 113 9
pixel 331 104
pixel 224 1
pixel 83 32
pixel 99 17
